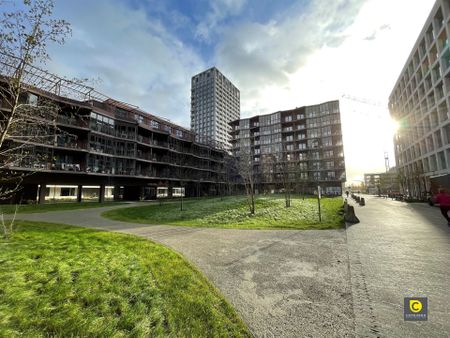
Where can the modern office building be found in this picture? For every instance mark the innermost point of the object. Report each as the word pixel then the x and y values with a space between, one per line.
pixel 420 102
pixel 303 144
pixel 109 145
pixel 215 102
pixel 382 183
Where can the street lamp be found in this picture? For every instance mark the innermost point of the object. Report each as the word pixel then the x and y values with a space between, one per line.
pixel 316 144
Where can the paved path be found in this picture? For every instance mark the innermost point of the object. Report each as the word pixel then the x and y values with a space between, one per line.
pixel 283 283
pixel 298 283
pixel 399 250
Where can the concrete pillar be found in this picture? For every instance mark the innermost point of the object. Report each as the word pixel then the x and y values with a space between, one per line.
pixel 101 193
pixel 79 193
pixel 116 193
pixel 42 189
pixel 170 190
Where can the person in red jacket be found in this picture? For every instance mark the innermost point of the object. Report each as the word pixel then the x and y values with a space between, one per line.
pixel 443 199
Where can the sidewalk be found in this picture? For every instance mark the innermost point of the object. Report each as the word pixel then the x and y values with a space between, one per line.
pixel 399 250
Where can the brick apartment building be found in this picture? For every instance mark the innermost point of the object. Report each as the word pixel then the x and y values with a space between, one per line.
pixel 111 146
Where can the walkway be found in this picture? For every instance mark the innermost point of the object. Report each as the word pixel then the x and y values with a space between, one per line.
pixel 399 250
pixel 298 283
pixel 283 283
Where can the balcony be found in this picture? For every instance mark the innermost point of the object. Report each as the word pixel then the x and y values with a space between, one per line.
pixel 72 121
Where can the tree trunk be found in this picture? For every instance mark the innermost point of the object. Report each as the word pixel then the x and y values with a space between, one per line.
pixel 252 210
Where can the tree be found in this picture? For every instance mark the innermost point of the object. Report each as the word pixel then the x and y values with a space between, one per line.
pixel 246 170
pixel 286 171
pixel 231 173
pixel 25 119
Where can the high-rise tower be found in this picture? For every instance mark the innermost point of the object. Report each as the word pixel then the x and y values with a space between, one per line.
pixel 215 102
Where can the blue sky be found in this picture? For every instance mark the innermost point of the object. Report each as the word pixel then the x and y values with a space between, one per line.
pixel 281 54
pixel 145 51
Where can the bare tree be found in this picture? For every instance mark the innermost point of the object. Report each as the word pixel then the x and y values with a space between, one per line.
pixel 231 172
pixel 267 169
pixel 25 120
pixel 185 168
pixel 286 173
pixel 301 180
pixel 246 170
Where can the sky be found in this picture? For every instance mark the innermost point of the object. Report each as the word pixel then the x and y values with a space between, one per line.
pixel 280 54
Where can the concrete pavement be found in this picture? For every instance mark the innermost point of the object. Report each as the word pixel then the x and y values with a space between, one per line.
pixel 399 250
pixel 283 283
pixel 329 283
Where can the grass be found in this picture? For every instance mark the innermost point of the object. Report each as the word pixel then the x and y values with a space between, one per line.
pixel 62 281
pixel 232 212
pixel 35 208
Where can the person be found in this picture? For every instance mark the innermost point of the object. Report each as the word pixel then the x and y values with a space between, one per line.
pixel 443 199
pixel 347 193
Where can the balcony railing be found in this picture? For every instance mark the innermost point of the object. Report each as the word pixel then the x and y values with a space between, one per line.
pixel 72 121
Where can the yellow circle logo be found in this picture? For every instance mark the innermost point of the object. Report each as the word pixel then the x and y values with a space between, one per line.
pixel 415 305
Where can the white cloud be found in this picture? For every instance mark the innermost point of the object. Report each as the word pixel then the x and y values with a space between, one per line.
pixel 262 56
pixel 136 58
pixel 322 54
pixel 220 9
pixel 302 56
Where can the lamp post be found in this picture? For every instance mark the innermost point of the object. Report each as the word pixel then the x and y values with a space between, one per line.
pixel 318 202
pixel 316 144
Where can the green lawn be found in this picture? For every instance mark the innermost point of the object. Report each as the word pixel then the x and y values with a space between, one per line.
pixel 232 212
pixel 33 208
pixel 62 281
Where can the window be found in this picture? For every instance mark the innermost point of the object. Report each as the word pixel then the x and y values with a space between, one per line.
pixel 328 154
pixel 154 124
pixel 32 100
pixel 67 192
pixel 275 118
pixel 139 119
pixel 327 142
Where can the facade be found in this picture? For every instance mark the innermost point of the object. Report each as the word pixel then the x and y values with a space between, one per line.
pixel 382 183
pixel 215 102
pixel 112 146
pixel 372 183
pixel 420 101
pixel 302 147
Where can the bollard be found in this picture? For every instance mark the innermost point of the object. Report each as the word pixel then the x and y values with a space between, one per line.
pixel 362 202
pixel 350 216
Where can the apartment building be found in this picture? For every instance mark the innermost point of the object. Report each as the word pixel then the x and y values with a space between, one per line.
pixel 215 102
pixel 303 144
pixel 116 147
pixel 382 183
pixel 420 101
